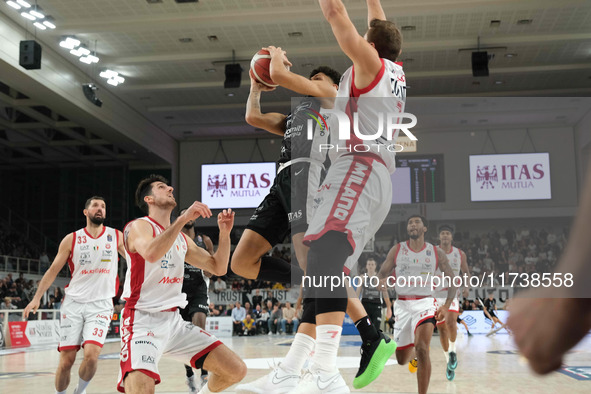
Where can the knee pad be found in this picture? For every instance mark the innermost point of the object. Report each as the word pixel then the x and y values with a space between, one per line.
pixel 326 259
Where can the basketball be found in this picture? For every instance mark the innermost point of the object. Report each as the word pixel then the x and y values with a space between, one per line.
pixel 259 68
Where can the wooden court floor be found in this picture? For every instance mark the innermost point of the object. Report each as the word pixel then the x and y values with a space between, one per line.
pixel 486 365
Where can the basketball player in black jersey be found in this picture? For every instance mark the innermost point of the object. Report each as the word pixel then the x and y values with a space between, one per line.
pixel 284 208
pixel 371 297
pixel 489 308
pixel 196 286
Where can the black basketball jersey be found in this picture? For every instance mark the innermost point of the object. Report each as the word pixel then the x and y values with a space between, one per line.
pixel 295 142
pixel 371 294
pixel 490 305
pixel 195 282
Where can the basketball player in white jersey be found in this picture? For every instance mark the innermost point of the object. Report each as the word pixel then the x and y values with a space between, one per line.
pixel 415 310
pixel 357 192
pixel 448 328
pixel 152 326
pixel 91 253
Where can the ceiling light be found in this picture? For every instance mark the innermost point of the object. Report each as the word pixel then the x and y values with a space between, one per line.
pixel 90 58
pixel 23 3
pixel 212 38
pixel 37 14
pixel 28 16
pixel 408 28
pixel 510 55
pixel 49 23
pixel 295 34
pixel 210 70
pixel 69 43
pixel 113 77
pixel 108 74
pixel 230 94
pixel 525 21
pixel 40 26
pixel 499 82
pixel 80 51
pixel 185 40
pixel 13 5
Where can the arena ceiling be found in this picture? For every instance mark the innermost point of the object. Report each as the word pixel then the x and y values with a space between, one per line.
pixel 173 57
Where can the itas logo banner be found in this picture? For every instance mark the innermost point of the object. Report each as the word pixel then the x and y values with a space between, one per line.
pixel 524 176
pixel 236 185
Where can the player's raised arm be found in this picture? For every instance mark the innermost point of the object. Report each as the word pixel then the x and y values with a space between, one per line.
pixel 273 122
pixel 297 83
pixel 63 253
pixel 141 240
pixel 375 11
pixel 217 263
pixel 364 56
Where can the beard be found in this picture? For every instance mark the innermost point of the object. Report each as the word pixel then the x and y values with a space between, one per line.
pixel 414 235
pixel 97 220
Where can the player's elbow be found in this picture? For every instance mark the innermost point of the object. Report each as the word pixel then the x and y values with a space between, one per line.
pixel 220 270
pixel 334 12
pixel 253 119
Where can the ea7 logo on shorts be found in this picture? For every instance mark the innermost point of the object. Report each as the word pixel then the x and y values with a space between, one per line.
pixel 148 359
pixel 171 281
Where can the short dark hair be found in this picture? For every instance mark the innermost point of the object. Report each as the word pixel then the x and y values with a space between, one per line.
pixel 329 72
pixel 446 227
pixel 386 37
pixel 87 204
pixel 144 188
pixel 423 219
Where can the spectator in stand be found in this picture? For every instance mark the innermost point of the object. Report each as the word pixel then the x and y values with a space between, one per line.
pixel 263 322
pixel 7 304
pixel 248 286
pixel 248 308
pixel 238 314
pixel 21 279
pixel 289 322
pixel 219 286
pixel 257 298
pixel 275 319
pixel 236 286
pixel 58 297
pixel 44 262
pixel 248 325
pixel 270 298
pixel 278 286
pixel 257 312
pixel 212 310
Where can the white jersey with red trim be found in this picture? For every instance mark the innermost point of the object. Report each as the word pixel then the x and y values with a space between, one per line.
pixel 455 262
pixel 415 270
pixel 93 266
pixel 155 286
pixel 385 95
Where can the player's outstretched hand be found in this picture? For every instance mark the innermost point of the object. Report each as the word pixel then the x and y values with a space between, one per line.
pixel 32 307
pixel 277 51
pixel 197 209
pixel 259 87
pixel 544 329
pixel 226 221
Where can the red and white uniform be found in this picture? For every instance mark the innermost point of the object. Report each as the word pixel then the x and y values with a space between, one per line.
pixel 440 293
pixel 415 303
pixel 151 323
pixel 356 194
pixel 86 312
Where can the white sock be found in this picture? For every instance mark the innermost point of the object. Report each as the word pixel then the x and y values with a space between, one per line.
pixel 60 392
pixel 328 338
pixel 446 356
pixel 81 385
pixel 298 353
pixel 452 346
pixel 205 390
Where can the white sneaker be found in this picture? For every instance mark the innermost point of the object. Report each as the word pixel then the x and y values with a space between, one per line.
pixel 319 382
pixel 76 391
pixel 275 382
pixel 193 389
